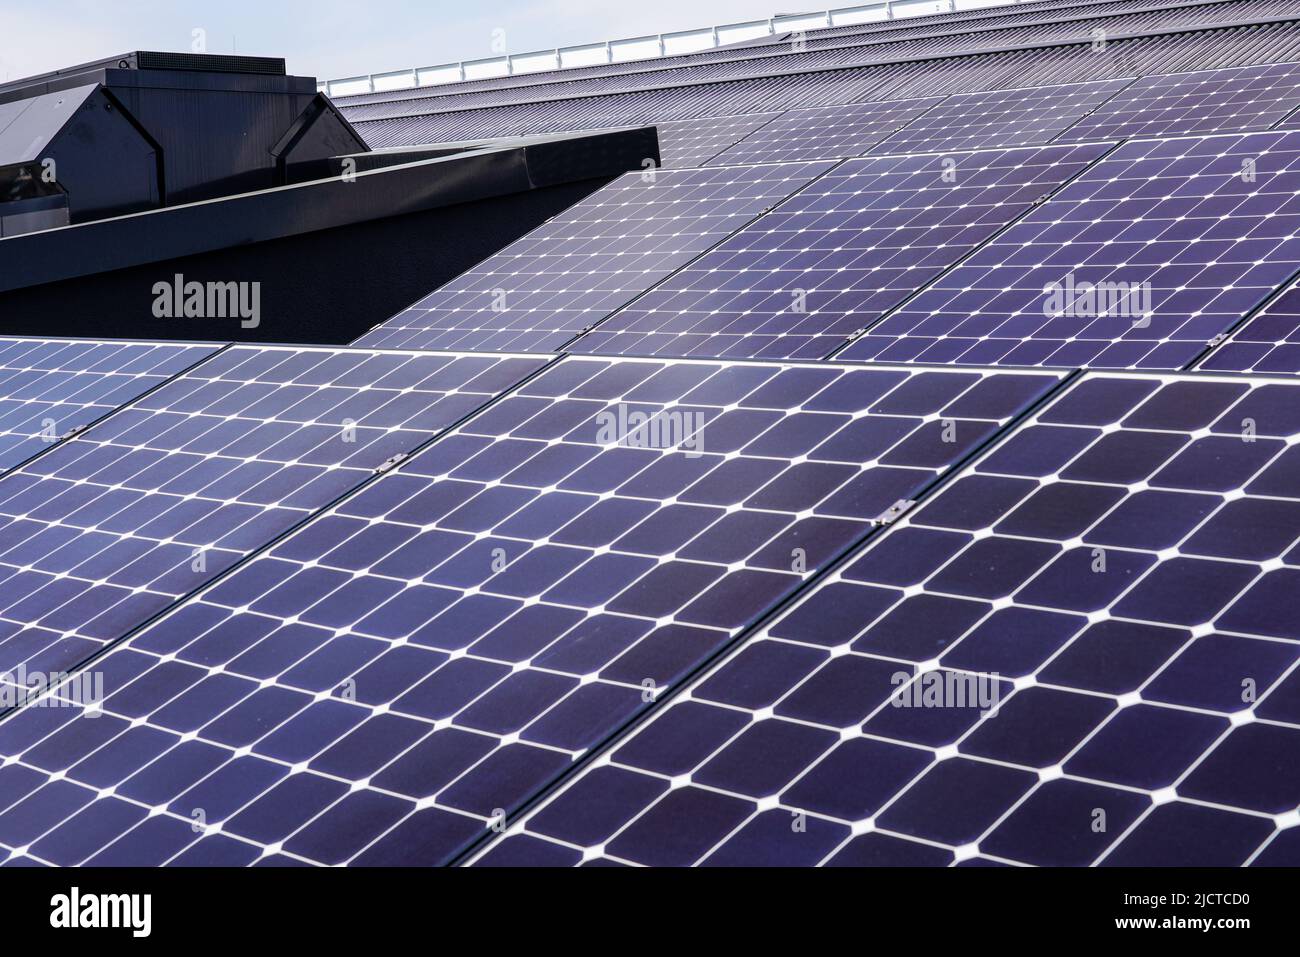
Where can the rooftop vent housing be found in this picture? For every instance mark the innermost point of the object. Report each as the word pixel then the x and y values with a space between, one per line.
pixel 147 129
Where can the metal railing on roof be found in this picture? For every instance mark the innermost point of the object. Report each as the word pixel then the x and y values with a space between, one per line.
pixel 644 47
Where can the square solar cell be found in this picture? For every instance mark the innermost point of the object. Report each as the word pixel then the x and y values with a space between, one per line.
pixel 825 132
pixel 1008 681
pixel 1020 117
pixel 51 387
pixel 1146 257
pixel 110 527
pixel 836 255
pixel 426 655
pixel 576 269
pixel 1206 101
pixel 1267 343
pixel 686 144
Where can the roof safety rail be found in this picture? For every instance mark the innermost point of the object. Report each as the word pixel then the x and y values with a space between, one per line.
pixel 644 47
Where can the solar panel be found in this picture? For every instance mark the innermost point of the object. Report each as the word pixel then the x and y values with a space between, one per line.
pixel 836 256
pixel 1269 342
pixel 111 527
pixel 825 132
pixel 686 144
pixel 1000 118
pixel 51 387
pixel 1138 263
pixel 576 269
pixel 1208 101
pixel 1082 650
pixel 394 677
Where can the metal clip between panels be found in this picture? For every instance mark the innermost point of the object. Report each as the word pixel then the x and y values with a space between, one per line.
pixel 1217 339
pixel 75 430
pixel 894 512
pixel 390 464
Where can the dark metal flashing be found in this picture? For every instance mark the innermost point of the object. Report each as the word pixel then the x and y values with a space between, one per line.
pixel 158 235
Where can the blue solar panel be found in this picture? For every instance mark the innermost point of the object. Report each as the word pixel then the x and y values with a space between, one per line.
pixel 1140 262
pixel 1269 342
pixel 578 268
pixel 1207 101
pixel 686 144
pixel 392 678
pixel 836 256
pixel 997 118
pixel 1083 650
pixel 51 387
pixel 110 527
pixel 825 132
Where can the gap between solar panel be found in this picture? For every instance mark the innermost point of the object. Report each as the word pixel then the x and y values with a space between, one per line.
pixel 450 639
pixel 1208 254
pixel 837 255
pixel 179 487
pixel 1265 341
pixel 1087 561
pixel 567 275
pixel 52 389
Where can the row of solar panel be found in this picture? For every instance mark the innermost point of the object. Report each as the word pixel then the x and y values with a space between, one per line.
pixel 1207 101
pixel 1083 650
pixel 803 56
pixel 1018 68
pixel 1200 102
pixel 1136 256
pixel 1106 583
pixel 202 463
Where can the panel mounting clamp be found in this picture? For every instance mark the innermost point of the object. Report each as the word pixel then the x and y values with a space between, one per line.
pixel 894 512
pixel 391 463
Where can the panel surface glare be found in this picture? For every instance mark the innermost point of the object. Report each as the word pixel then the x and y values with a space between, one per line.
pixel 837 255
pixel 432 651
pixel 1139 263
pixel 1082 650
pixel 825 132
pixel 540 291
pixel 1000 118
pixel 50 387
pixel 112 526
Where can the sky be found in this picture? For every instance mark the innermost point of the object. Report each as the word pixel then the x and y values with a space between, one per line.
pixel 336 38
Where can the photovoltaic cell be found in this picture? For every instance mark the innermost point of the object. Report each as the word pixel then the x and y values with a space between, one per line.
pixel 1083 650
pixel 1268 343
pixel 50 387
pixel 573 271
pixel 438 647
pixel 1138 263
pixel 1207 101
pixel 826 132
pixel 112 526
pixel 836 256
pixel 686 144
pixel 998 118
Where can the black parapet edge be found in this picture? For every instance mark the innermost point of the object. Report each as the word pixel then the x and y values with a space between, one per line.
pixel 158 235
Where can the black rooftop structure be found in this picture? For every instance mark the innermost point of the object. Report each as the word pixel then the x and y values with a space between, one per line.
pixel 200 125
